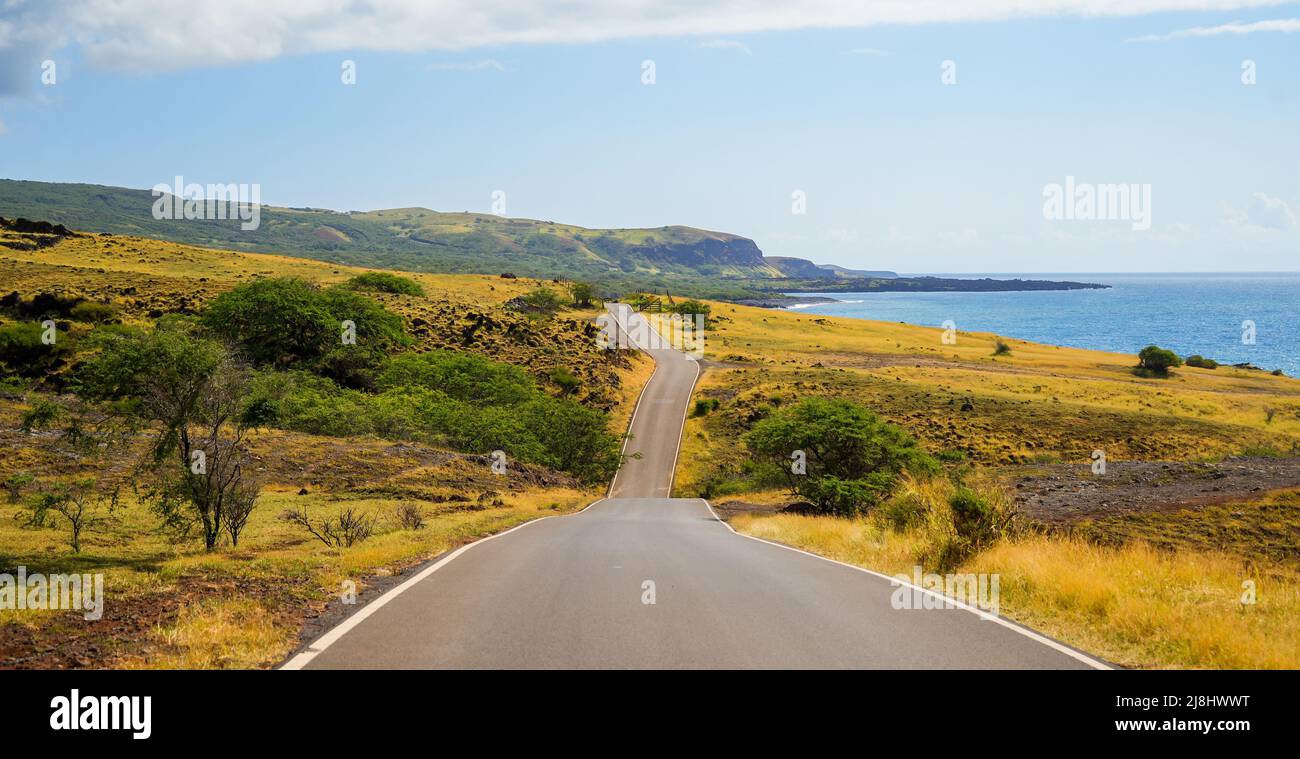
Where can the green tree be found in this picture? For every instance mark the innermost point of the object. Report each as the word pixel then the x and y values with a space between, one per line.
pixel 1157 360
pixel 583 294
pixel 79 504
pixel 851 458
pixel 195 392
pixel 287 323
pixel 542 300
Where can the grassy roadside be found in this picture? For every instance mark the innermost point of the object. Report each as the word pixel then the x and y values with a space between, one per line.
pixel 1179 605
pixel 168 604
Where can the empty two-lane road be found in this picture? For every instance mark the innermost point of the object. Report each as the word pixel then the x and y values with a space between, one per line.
pixel 641 580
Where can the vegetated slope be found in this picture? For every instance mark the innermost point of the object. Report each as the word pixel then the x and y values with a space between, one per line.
pixel 800 268
pixel 141 279
pixel 1037 404
pixel 175 605
pixel 418 239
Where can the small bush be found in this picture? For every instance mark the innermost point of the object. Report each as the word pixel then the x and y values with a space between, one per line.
pixel 1156 361
pixel 565 380
pixel 1200 362
pixel 43 414
pixel 979 518
pixel 703 406
pixel 24 353
pixel 409 517
pixel 15 484
pixel 342 531
pixel 543 299
pixel 383 282
pixel 1001 348
pixel 95 313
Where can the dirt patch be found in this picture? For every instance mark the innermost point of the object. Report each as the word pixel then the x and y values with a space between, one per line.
pixel 126 630
pixel 728 509
pixel 1065 493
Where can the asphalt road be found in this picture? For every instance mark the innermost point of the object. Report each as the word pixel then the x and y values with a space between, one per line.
pixel 639 580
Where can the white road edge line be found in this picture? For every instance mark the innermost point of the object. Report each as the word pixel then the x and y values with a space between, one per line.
pixel 332 636
pixel 1046 641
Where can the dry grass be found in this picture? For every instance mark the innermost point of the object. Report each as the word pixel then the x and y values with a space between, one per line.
pixel 1131 604
pixel 243 607
pixel 218 634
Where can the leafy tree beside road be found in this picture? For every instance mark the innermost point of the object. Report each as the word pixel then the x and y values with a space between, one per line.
pixel 851 458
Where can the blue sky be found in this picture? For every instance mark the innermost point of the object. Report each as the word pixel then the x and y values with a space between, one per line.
pixel 899 170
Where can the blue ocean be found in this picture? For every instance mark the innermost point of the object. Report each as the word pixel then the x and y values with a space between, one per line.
pixel 1187 313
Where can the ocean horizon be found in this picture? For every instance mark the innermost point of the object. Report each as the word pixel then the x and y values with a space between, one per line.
pixel 1188 312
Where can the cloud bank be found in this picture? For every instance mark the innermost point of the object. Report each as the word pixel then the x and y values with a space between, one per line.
pixel 152 35
pixel 1237 28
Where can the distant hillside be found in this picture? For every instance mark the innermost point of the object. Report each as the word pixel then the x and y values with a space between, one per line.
pixel 418 239
pixel 840 271
pixel 800 268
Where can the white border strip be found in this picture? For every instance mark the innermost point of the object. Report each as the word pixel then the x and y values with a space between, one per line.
pixel 330 638
pixel 1046 641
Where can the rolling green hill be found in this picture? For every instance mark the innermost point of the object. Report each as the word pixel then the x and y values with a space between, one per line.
pixel 417 239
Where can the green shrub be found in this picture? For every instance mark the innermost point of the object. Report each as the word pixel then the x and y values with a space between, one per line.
pixel 852 457
pixel 979 519
pixel 583 295
pixel 458 400
pixel 564 379
pixel 463 376
pixel 383 282
pixel 703 406
pixel 543 299
pixel 1155 360
pixel 1001 348
pixel 1201 362
pixel 95 313
pixel 287 323
pixel 23 353
pixel 691 307
pixel 841 497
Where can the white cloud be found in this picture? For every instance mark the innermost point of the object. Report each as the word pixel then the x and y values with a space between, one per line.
pixel 160 34
pixel 729 44
pixel 482 65
pixel 866 51
pixel 1265 212
pixel 1286 25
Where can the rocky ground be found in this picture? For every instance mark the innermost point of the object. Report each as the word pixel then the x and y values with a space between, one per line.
pixel 1065 493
